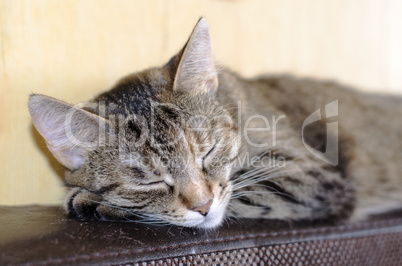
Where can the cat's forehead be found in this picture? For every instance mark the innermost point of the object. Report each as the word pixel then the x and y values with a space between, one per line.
pixel 132 92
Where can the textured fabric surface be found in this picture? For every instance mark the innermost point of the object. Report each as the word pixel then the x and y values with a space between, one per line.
pixel 372 250
pixel 39 235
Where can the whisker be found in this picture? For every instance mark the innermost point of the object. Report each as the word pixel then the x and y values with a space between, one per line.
pixel 144 218
pixel 259 194
pixel 255 171
pixel 259 178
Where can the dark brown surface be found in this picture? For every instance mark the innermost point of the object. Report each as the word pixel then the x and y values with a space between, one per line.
pixel 43 235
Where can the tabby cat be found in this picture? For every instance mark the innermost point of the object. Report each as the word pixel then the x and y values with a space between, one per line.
pixel 189 144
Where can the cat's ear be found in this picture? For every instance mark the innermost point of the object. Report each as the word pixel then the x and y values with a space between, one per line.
pixel 196 70
pixel 69 132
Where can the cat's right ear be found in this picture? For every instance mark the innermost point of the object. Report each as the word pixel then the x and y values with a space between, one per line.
pixel 69 132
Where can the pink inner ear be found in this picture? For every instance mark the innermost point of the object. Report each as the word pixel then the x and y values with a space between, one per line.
pixel 72 159
pixel 212 85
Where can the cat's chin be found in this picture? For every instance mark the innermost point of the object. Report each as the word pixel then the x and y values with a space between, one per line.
pixel 208 222
pixel 212 220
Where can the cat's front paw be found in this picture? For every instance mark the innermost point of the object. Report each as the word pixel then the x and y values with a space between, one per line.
pixel 82 204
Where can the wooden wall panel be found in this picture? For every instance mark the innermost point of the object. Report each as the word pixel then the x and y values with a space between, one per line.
pixel 75 49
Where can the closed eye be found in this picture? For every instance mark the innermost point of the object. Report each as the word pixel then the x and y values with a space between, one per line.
pixel 137 172
pixel 210 151
pixel 155 183
pixel 151 183
pixel 140 177
pixel 205 157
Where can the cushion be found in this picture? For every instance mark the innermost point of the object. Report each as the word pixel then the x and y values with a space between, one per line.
pixel 44 235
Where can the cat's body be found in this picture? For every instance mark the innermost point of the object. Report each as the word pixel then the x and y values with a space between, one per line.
pixel 170 144
pixel 370 142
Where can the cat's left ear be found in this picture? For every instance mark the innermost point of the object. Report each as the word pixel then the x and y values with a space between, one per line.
pixel 196 71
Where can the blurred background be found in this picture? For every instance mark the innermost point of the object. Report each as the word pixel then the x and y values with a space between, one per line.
pixel 74 50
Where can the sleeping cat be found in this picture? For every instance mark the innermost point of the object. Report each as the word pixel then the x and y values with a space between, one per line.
pixel 189 144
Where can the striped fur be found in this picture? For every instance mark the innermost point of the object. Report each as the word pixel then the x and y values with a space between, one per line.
pixel 169 146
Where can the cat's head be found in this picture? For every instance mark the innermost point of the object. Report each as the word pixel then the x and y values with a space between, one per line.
pixel 159 144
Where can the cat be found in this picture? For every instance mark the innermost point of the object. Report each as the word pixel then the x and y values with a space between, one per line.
pixel 191 144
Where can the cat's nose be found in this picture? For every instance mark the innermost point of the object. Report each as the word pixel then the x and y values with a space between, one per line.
pixel 204 209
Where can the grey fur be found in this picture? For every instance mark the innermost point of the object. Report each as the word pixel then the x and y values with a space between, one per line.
pixel 195 157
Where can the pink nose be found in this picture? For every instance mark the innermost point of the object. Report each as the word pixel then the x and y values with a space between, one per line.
pixel 204 209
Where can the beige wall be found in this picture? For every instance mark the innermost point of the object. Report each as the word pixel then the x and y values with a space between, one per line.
pixel 75 49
